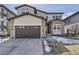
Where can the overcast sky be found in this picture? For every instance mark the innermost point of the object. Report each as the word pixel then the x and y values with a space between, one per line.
pixel 68 9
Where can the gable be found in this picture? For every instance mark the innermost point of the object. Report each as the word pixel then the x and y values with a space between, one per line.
pixel 27 20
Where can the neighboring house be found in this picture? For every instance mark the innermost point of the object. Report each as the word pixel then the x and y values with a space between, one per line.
pixel 72 24
pixel 5 14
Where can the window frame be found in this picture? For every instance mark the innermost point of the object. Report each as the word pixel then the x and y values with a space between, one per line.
pixel 54 17
pixel 59 17
pixel 56 26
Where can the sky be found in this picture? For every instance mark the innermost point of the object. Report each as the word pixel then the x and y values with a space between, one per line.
pixel 68 9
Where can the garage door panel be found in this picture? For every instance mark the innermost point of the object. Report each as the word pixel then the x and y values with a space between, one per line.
pixel 27 31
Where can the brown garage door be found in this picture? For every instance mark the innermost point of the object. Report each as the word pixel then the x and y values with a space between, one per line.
pixel 27 31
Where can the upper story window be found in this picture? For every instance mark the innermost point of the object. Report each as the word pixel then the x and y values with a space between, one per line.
pixel 53 17
pixel 23 10
pixel 27 10
pixel 46 17
pixel 35 11
pixel 5 23
pixel 3 13
pixel 56 17
pixel 68 21
pixel 2 10
pixel 59 17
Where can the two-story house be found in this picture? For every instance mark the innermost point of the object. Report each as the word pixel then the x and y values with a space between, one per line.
pixel 31 22
pixel 5 14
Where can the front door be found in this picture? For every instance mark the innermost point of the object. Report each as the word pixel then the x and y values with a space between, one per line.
pixel 56 29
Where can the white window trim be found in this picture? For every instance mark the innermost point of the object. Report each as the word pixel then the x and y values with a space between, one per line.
pixel 56 25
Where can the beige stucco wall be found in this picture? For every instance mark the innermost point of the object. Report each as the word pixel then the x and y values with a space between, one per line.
pixel 27 20
pixel 58 22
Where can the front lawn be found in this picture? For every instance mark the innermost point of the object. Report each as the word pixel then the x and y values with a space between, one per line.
pixel 60 48
pixel 73 50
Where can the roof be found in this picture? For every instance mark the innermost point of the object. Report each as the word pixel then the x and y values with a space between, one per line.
pixel 53 20
pixel 72 15
pixel 24 5
pixel 17 16
pixel 39 10
pixel 1 5
pixel 55 13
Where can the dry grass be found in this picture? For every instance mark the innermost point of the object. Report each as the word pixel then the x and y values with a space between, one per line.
pixel 57 47
pixel 74 50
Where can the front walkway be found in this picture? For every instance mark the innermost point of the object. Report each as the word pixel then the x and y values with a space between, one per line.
pixel 21 47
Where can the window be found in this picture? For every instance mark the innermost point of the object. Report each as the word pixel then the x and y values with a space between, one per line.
pixel 68 20
pixel 53 17
pixel 54 27
pixel 2 10
pixel 5 30
pixel 57 17
pixel 59 27
pixel 35 11
pixel 5 23
pixel 46 17
pixel 23 10
pixel 27 10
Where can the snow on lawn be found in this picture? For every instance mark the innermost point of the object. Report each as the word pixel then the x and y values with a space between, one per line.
pixel 5 39
pixel 65 40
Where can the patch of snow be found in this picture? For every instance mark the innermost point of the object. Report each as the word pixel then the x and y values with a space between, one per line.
pixel 5 39
pixel 47 48
pixel 65 40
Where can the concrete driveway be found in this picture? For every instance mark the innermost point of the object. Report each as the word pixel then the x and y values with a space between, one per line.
pixel 21 47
